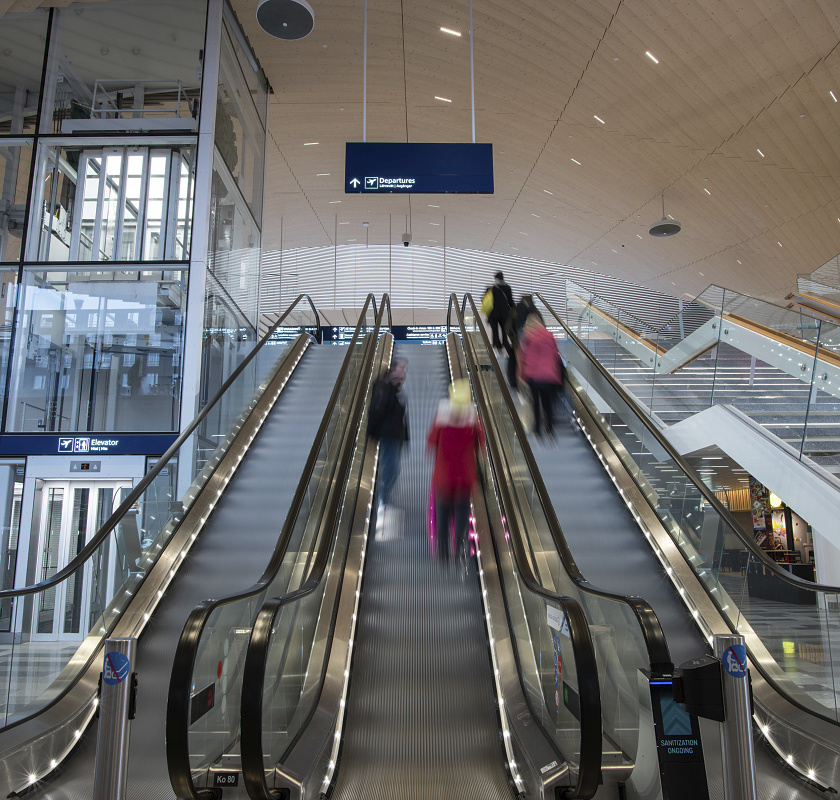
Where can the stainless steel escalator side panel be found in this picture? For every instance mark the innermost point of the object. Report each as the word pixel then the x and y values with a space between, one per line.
pixel 529 741
pixel 29 749
pixel 305 768
pixel 795 734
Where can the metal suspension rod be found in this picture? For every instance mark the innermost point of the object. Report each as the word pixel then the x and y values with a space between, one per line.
pixel 472 73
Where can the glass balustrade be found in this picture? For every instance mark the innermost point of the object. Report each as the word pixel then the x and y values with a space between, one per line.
pixel 779 366
pixel 538 625
pixel 221 649
pixel 55 631
pixel 791 627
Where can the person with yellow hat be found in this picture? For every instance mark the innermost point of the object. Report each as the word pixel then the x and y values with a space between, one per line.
pixel 456 437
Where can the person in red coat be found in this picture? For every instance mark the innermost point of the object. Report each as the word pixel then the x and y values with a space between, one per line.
pixel 456 436
pixel 541 368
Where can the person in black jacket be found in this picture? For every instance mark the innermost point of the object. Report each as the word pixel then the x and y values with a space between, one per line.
pixel 502 304
pixel 388 422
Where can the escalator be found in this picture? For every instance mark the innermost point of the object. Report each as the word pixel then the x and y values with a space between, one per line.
pixel 255 435
pixel 640 521
pixel 381 672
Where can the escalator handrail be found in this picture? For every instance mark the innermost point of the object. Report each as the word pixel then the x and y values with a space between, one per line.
pixel 259 643
pixel 708 495
pixel 112 521
pixel 178 703
pixel 586 668
pixel 656 645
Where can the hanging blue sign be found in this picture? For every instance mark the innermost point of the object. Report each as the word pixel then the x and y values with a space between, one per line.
pixel 101 444
pixel 425 168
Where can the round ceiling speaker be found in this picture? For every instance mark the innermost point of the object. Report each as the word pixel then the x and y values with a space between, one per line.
pixel 665 226
pixel 286 19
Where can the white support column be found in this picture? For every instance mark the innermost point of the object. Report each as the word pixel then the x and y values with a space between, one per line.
pixel 201 216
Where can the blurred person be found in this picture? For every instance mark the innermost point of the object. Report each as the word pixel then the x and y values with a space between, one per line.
pixel 541 367
pixel 498 316
pixel 388 422
pixel 456 437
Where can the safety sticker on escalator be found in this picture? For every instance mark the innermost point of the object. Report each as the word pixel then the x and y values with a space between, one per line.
pixel 735 660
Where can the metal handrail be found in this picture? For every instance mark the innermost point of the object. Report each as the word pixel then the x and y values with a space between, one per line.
pixel 591 739
pixel 655 642
pixel 183 665
pixel 253 673
pixel 708 495
pixel 150 476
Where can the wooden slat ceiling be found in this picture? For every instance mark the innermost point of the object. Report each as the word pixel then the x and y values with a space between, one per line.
pixel 23 6
pixel 734 77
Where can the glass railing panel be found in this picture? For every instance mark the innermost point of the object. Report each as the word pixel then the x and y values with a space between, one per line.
pixel 302 633
pixel 749 593
pixel 613 620
pixel 220 654
pixel 51 627
pixel 544 651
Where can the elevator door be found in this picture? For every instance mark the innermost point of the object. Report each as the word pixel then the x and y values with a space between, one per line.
pixel 72 513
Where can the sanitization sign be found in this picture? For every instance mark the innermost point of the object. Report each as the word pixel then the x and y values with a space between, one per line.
pixel 426 168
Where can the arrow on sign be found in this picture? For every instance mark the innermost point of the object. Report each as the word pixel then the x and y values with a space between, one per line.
pixel 355 182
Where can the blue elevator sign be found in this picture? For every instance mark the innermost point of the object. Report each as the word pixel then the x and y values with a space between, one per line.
pixel 427 168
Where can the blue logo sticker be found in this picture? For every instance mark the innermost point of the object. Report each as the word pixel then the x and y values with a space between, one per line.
pixel 735 660
pixel 116 669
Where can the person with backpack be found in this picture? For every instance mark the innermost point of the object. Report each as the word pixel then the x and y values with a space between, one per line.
pixel 498 316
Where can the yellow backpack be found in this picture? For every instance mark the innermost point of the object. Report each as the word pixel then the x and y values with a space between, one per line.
pixel 487 303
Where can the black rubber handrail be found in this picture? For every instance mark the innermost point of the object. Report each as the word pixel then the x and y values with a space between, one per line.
pixel 256 658
pixel 586 668
pixel 147 479
pixel 655 642
pixel 708 495
pixel 180 684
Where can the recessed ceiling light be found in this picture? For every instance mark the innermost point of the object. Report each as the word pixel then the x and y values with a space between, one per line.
pixel 599 119
pixel 309 144
pixel 343 223
pixel 577 162
pixel 706 190
pixel 547 192
pixel 779 243
pixel 431 206
pixel 638 235
pixel 651 56
pixel 759 152
pixel 535 215
pixel 449 30
pixel 737 260
pixel 334 201
pixel 323 175
pixel 434 223
pixel 832 96
pixel 445 99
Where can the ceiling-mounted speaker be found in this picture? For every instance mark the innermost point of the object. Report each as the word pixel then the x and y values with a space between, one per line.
pixel 665 226
pixel 286 19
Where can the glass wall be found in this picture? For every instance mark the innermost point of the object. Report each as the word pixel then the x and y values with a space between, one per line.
pixel 232 294
pixel 126 203
pixel 98 350
pixel 22 45
pixel 15 163
pixel 125 66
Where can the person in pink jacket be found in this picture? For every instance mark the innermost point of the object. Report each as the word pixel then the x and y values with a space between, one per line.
pixel 455 438
pixel 541 368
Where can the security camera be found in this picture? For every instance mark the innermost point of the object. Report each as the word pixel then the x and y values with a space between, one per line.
pixel 406 239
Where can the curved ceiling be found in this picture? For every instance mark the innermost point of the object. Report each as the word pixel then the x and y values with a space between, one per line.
pixel 736 123
pixel 734 77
